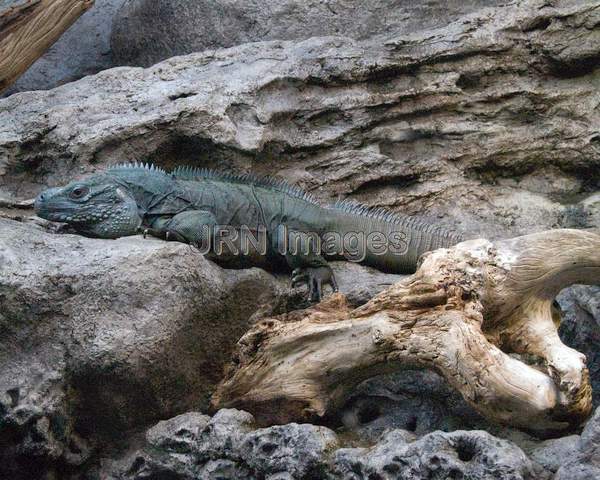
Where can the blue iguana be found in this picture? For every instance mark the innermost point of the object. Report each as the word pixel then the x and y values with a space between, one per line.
pixel 186 204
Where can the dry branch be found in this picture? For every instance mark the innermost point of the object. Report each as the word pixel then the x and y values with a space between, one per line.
pixel 461 314
pixel 28 28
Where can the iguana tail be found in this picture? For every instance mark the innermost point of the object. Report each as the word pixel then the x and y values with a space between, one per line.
pixel 391 242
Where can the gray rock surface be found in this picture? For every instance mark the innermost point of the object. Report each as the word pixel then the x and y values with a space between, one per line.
pixel 230 447
pixel 554 453
pixel 148 31
pixel 585 463
pixel 418 401
pixel 177 434
pixel 488 124
pixel 99 338
pixel 84 49
pixel 580 328
pixel 470 455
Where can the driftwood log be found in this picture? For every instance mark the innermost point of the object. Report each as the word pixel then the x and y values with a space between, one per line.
pixel 479 313
pixel 28 28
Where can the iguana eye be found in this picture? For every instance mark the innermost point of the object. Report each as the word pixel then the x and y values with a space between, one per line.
pixel 79 192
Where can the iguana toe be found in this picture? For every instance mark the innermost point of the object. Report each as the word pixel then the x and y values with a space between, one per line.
pixel 316 278
pixel 143 231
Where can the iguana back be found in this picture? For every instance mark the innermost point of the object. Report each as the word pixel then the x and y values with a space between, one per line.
pixel 284 204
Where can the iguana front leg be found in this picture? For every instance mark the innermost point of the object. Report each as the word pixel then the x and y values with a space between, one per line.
pixel 308 266
pixel 315 277
pixel 194 227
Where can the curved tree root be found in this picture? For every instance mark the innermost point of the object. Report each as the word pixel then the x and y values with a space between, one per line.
pixel 462 313
pixel 28 28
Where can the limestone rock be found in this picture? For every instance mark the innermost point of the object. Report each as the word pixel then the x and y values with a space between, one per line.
pixel 580 328
pixel 585 463
pixel 552 454
pixel 147 31
pixel 229 446
pixel 481 124
pixel 177 434
pixel 99 338
pixel 474 455
pixel 418 401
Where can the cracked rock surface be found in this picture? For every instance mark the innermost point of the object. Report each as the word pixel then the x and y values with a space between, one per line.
pixel 229 446
pixel 488 124
pixel 99 338
pixel 147 31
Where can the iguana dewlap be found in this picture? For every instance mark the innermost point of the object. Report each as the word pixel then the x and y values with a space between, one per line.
pixel 194 206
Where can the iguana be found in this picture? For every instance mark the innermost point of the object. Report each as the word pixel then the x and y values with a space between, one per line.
pixel 189 205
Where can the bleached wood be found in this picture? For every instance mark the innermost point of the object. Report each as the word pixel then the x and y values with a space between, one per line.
pixel 28 28
pixel 461 314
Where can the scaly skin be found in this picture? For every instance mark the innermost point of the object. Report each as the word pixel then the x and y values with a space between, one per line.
pixel 187 204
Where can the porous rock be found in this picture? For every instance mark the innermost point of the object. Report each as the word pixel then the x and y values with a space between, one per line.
pixel 101 337
pixel 230 446
pixel 473 455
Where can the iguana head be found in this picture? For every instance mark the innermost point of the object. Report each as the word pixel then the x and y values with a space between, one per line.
pixel 98 206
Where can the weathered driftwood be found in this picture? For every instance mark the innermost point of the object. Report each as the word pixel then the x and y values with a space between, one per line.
pixel 28 28
pixel 461 313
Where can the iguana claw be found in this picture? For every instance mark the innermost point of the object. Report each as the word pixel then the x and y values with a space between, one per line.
pixel 316 277
pixel 143 231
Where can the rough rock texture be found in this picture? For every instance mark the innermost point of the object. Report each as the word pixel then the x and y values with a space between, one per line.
pixel 472 455
pixel 229 446
pixel 418 401
pixel 585 463
pixel 147 31
pixel 489 123
pixel 84 49
pixel 360 283
pixel 552 454
pixel 100 337
pixel 580 328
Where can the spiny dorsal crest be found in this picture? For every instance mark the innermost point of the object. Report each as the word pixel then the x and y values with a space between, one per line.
pixel 384 215
pixel 349 206
pixel 192 173
pixel 137 166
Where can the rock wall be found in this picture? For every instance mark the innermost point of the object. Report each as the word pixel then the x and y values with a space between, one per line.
pixel 489 124
pixel 141 33
pixel 148 31
pixel 99 338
